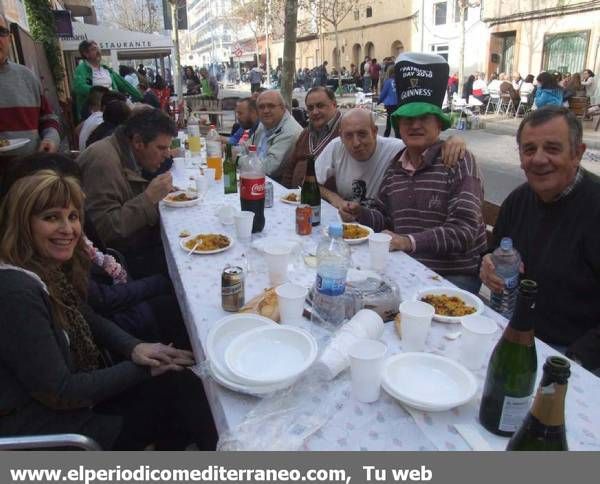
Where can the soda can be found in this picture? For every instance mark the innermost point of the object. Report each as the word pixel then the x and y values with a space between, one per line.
pixel 304 219
pixel 268 194
pixel 232 288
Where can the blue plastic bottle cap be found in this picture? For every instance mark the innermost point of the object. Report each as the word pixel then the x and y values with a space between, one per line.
pixel 336 230
pixel 506 243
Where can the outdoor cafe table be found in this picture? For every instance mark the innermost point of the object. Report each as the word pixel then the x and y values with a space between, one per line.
pixel 383 425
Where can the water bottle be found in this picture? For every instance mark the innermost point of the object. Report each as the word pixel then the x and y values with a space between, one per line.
pixel 333 261
pixel 507 261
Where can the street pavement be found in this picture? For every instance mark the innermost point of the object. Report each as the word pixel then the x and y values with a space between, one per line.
pixel 495 151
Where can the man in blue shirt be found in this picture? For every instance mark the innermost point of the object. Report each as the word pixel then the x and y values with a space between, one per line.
pixel 247 119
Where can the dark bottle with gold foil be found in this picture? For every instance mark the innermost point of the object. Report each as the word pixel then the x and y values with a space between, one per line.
pixel 544 427
pixel 510 379
pixel 310 193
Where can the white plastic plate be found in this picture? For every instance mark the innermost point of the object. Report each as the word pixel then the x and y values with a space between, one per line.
pixel 428 382
pixel 269 355
pixel 468 298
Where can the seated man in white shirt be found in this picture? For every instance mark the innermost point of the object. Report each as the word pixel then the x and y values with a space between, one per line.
pixel 351 167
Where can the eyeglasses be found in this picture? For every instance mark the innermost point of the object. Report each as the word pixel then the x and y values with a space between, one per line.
pixel 4 32
pixel 270 107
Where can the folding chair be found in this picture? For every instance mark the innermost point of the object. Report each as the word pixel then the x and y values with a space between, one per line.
pixel 524 105
pixel 506 105
pixel 493 104
pixel 48 442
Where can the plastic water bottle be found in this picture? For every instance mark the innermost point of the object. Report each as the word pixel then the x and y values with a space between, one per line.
pixel 507 262
pixel 333 261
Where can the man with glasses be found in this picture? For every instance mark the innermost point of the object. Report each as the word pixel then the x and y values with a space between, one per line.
pixel 431 210
pixel 276 134
pixel 24 110
pixel 323 126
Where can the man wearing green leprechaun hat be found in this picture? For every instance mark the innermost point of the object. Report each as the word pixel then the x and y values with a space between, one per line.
pixel 431 210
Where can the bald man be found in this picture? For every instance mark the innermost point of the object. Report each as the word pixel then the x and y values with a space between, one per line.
pixel 276 134
pixel 351 167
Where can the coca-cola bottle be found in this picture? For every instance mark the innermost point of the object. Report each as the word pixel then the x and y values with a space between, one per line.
pixel 252 188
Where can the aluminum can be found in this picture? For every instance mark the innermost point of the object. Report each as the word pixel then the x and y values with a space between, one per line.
pixel 304 219
pixel 232 288
pixel 268 194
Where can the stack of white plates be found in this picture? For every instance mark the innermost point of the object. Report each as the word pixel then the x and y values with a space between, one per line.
pixel 252 354
pixel 428 382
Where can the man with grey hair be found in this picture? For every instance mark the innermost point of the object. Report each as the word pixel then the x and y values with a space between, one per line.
pixel 554 221
pixel 351 167
pixel 277 132
pixel 25 112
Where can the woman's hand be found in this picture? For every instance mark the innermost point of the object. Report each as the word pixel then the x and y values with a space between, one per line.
pixel 161 358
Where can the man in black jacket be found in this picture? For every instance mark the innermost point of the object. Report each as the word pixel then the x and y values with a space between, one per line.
pixel 553 221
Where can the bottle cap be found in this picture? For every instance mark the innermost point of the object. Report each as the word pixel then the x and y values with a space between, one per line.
pixel 506 243
pixel 336 230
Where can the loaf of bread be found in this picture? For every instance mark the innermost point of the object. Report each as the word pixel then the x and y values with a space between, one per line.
pixel 264 304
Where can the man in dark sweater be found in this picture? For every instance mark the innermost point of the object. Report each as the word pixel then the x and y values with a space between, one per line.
pixel 553 221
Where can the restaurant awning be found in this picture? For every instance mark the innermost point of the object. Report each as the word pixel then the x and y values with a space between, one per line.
pixel 127 44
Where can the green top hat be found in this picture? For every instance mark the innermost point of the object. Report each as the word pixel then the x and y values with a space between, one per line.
pixel 421 81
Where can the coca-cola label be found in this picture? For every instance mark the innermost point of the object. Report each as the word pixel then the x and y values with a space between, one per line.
pixel 252 188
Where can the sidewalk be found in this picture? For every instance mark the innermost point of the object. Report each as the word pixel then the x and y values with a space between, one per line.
pixel 497 125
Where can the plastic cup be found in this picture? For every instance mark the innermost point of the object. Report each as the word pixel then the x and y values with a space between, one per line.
pixel 415 318
pixel 366 322
pixel 226 214
pixel 477 336
pixel 379 250
pixel 243 225
pixel 201 186
pixel 291 299
pixel 179 166
pixel 210 174
pixel 277 257
pixel 366 365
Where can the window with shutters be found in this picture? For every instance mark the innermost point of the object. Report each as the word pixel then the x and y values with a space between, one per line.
pixel 439 12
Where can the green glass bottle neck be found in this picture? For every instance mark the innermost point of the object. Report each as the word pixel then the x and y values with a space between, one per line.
pixel 310 167
pixel 523 317
pixel 549 404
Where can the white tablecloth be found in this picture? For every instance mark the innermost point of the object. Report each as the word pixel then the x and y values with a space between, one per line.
pixel 350 425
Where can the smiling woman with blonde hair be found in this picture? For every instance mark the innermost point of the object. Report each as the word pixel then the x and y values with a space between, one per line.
pixel 53 375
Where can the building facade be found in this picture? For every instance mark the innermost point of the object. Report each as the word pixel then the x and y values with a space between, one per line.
pixel 530 36
pixel 210 32
pixel 438 32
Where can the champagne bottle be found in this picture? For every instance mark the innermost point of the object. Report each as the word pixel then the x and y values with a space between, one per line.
pixel 544 427
pixel 229 172
pixel 512 368
pixel 310 193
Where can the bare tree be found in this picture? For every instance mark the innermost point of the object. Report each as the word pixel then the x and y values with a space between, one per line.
pixel 332 12
pixel 289 50
pixel 136 15
pixel 251 14
pixel 463 6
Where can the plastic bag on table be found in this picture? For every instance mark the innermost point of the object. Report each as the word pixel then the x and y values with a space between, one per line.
pixel 285 419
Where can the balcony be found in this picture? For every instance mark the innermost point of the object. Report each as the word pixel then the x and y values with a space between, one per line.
pixel 79 8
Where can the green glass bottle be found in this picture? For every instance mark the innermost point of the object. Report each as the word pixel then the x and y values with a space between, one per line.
pixel 544 427
pixel 512 368
pixel 310 193
pixel 229 171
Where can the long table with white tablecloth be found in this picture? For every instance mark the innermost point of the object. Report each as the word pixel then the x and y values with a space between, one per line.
pixel 343 423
